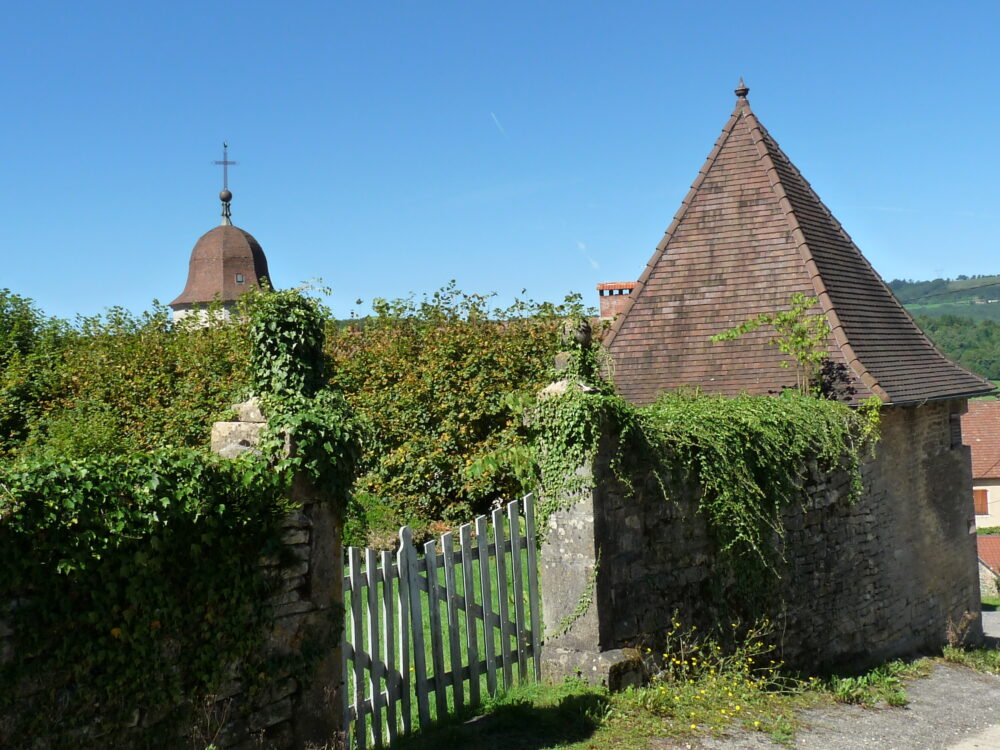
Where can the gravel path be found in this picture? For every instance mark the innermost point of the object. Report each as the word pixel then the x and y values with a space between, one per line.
pixel 952 709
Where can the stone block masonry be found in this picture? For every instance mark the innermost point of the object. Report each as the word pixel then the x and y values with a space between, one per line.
pixel 859 583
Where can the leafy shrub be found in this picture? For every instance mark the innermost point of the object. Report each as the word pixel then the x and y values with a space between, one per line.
pixel 133 578
pixel 439 382
pixel 707 681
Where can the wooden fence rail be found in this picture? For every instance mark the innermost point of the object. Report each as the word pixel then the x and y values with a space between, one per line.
pixel 448 610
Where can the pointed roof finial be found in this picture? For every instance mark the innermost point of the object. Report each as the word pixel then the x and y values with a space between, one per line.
pixel 225 196
pixel 741 90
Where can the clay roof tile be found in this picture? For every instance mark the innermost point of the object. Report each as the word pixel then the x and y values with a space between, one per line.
pixel 750 233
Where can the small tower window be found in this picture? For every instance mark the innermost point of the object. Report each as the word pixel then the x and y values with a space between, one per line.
pixel 239 278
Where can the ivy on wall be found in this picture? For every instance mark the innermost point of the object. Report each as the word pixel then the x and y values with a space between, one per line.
pixel 132 579
pixel 131 583
pixel 288 373
pixel 746 458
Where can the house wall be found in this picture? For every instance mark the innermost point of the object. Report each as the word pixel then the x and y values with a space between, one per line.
pixel 987 580
pixel 992 487
pixel 861 582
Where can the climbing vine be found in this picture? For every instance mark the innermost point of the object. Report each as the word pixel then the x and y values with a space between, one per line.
pixel 131 584
pixel 310 426
pixel 748 457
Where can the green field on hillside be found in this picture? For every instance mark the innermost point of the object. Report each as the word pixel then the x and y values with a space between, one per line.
pixel 976 298
pixel 970 310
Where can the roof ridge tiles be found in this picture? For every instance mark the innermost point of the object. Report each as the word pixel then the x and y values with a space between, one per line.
pixel 681 211
pixel 837 329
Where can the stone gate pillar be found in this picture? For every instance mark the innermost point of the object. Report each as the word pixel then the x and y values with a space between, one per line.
pixel 576 601
pixel 308 612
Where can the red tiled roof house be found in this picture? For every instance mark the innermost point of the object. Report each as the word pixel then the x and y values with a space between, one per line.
pixel 981 432
pixel 988 546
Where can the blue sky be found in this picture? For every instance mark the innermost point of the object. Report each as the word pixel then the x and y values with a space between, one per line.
pixel 388 147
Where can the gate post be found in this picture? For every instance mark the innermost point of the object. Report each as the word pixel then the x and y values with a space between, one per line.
pixel 577 605
pixel 308 611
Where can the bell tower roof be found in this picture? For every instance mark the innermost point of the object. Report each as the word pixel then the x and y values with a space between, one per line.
pixel 226 261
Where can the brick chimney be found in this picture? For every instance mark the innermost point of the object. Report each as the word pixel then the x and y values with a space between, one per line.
pixel 614 297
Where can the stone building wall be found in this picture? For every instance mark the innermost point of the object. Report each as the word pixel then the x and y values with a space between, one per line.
pixel 861 582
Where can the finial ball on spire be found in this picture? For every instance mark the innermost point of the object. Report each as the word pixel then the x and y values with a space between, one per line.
pixel 741 90
pixel 225 196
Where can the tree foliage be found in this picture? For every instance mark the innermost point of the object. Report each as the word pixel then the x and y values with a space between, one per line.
pixel 439 381
pixel 798 333
pixel 973 344
pixel 118 382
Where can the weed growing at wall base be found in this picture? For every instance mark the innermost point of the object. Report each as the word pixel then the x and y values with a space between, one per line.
pixel 705 682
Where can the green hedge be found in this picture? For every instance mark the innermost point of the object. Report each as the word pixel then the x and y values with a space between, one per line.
pixel 131 584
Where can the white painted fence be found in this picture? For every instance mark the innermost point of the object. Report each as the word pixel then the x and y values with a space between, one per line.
pixel 401 621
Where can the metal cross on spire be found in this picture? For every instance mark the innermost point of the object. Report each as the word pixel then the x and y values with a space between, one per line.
pixel 225 165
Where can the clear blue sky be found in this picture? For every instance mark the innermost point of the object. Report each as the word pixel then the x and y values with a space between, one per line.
pixel 387 147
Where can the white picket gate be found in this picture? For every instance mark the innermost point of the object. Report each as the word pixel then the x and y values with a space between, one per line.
pixel 394 601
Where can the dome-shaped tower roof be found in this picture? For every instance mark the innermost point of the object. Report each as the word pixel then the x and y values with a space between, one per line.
pixel 226 262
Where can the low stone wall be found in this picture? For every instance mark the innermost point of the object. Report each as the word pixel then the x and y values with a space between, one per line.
pixel 861 582
pixel 293 698
pixel 292 711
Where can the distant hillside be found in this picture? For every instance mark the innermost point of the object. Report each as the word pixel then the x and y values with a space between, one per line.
pixel 975 297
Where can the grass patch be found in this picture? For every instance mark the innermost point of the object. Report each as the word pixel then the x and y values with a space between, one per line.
pixel 988 530
pixel 981 658
pixel 698 685
pixel 526 718
pixel 882 684
pixel 990 603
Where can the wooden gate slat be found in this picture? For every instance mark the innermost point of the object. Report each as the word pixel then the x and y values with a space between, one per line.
pixel 417 631
pixel 375 664
pixel 469 591
pixel 451 598
pixel 505 629
pixel 437 647
pixel 403 629
pixel 486 596
pixel 536 614
pixel 354 566
pixel 389 646
pixel 518 579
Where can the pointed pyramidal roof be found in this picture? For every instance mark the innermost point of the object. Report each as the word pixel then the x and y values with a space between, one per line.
pixel 750 234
